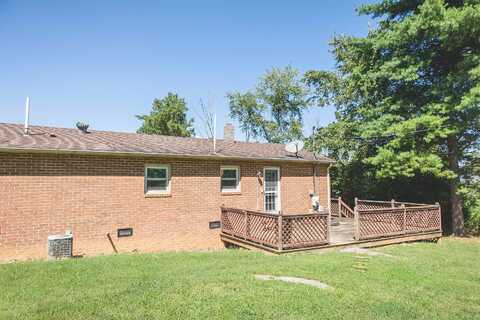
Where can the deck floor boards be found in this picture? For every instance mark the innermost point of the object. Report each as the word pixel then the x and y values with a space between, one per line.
pixel 341 230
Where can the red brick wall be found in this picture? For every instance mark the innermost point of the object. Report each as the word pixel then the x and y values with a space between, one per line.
pixel 44 194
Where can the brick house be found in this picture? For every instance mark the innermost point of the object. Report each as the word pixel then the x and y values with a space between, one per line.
pixel 166 191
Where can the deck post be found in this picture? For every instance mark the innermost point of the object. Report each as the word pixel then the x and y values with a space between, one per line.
pixel 329 222
pixel 339 203
pixel 247 225
pixel 404 219
pixel 356 220
pixel 222 219
pixel 440 214
pixel 393 203
pixel 280 231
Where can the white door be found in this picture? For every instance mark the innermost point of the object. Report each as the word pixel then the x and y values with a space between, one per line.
pixel 272 189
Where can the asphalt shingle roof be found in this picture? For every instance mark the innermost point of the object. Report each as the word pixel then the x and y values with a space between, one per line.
pixel 42 138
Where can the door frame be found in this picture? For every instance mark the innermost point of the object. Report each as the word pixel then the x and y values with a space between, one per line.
pixel 279 202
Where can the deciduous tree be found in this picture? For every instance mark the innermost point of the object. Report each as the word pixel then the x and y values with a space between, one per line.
pixel 167 117
pixel 273 110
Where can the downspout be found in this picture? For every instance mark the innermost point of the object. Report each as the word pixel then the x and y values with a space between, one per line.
pixel 258 182
pixel 329 202
pixel 258 190
pixel 329 195
pixel 315 189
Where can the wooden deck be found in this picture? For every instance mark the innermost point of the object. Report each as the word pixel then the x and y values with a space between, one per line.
pixel 374 223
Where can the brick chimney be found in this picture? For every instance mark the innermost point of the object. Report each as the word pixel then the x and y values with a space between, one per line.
pixel 229 132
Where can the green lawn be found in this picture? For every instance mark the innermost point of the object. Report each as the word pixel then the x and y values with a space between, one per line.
pixel 422 280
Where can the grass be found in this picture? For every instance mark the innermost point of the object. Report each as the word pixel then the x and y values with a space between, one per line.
pixel 421 281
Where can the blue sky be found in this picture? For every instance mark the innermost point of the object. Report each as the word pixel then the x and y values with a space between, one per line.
pixel 102 62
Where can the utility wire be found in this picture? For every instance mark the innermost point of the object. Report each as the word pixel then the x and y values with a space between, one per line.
pixel 374 139
pixel 392 135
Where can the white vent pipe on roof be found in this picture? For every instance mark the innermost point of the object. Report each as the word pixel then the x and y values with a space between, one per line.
pixel 214 133
pixel 27 115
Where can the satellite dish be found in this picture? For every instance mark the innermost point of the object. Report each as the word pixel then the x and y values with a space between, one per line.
pixel 294 146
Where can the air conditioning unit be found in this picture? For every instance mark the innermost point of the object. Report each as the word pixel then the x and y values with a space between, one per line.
pixel 60 246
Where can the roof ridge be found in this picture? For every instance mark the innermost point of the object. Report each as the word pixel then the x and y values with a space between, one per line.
pixel 143 134
pixel 73 140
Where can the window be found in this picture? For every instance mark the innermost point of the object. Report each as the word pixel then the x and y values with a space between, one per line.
pixel 157 179
pixel 230 179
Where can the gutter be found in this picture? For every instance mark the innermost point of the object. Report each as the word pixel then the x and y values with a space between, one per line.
pixel 148 154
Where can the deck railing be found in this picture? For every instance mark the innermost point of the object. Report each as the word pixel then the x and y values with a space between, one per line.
pixel 276 231
pixel 377 219
pixel 375 204
pixel 340 208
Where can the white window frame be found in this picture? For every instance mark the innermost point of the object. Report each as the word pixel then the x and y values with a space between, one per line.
pixel 279 184
pixel 168 178
pixel 237 170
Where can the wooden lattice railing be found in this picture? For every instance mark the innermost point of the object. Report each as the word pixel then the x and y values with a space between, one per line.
pixel 375 204
pixel 334 207
pixel 376 219
pixel 339 208
pixel 276 231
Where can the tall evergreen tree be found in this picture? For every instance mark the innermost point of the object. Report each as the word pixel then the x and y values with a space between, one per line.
pixel 411 88
pixel 168 117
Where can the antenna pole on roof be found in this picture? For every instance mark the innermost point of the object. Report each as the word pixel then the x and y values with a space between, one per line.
pixel 313 142
pixel 294 147
pixel 27 115
pixel 214 133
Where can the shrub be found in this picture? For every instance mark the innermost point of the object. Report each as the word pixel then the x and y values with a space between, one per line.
pixel 471 200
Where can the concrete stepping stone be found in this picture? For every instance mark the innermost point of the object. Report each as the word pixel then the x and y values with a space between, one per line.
pixel 308 282
pixel 364 251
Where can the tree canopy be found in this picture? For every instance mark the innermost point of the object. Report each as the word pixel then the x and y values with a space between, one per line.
pixel 273 110
pixel 167 117
pixel 410 90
